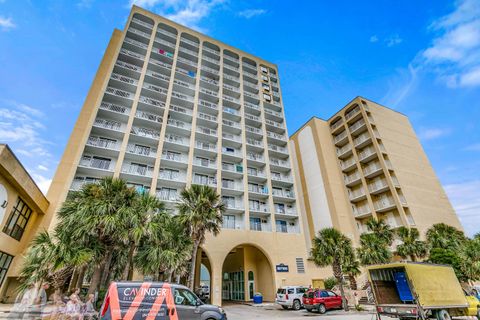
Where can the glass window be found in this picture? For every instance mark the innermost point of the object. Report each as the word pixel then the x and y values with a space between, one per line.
pixel 255 224
pixel 17 220
pixel 301 290
pixel 324 294
pixel 331 294
pixel 184 297
pixel 5 261
pixel 229 221
pixel 291 291
pixel 281 226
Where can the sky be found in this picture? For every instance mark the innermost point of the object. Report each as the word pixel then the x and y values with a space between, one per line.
pixel 421 58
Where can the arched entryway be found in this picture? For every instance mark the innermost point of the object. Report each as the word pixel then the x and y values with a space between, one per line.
pixel 203 272
pixel 247 270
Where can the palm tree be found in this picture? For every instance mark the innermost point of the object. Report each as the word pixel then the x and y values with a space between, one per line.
pixel 168 250
pixel 470 259
pixel 443 236
pixel 97 213
pixel 200 211
pixel 140 224
pixel 351 268
pixel 373 250
pixel 332 248
pixel 381 229
pixel 411 245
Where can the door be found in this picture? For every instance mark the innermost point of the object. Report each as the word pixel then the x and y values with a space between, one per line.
pixel 318 284
pixel 334 300
pixel 251 285
pixel 186 304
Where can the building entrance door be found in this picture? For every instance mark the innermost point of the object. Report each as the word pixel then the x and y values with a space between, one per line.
pixel 251 285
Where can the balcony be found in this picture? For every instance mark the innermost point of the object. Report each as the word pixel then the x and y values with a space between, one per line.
pixel 79 182
pixel 231 152
pixel 253 118
pixel 361 211
pixel 362 140
pixel 236 80
pixel 206 146
pixel 174 157
pixel 207 118
pixel 358 126
pixel 350 114
pixel 284 179
pixel 367 154
pixel 254 173
pixel 181 96
pixel 232 186
pixel 167 195
pixel 210 50
pixel 344 151
pixel 205 163
pixel 167 33
pixel 142 151
pixel 231 100
pixel 120 94
pixel 253 107
pixel 341 138
pixel 384 203
pixel 180 110
pixel 336 125
pixel 142 23
pixel 235 206
pixel 255 157
pixel 357 194
pixel 128 67
pixel 372 170
pixel 192 43
pixel 159 76
pixel 104 144
pixel 181 125
pixel 231 111
pixel 279 164
pixel 97 163
pixel 208 181
pixel 137 170
pixel 114 108
pixel 275 124
pixel 176 140
pixel 207 132
pixel 134 44
pixel 255 143
pixel 131 54
pixel 184 85
pixel 258 190
pixel 378 186
pixel 277 149
pixel 172 176
pixel 232 169
pixel 277 115
pixel 259 209
pixel 138 32
pixel 232 124
pixel 162 64
pixel 188 51
pixel 284 210
pixel 277 136
pixel 150 117
pixel 208 105
pixel 155 89
pixel 146 133
pixel 109 125
pixel 283 194
pixel 352 179
pixel 348 164
pixel 210 70
pixel 232 137
pixel 151 102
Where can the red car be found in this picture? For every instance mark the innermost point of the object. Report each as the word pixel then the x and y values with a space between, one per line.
pixel 321 300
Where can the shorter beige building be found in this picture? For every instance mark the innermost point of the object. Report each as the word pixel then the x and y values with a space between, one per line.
pixel 365 161
pixel 22 216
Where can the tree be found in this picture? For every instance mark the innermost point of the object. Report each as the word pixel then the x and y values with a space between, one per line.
pixel 98 213
pixel 381 229
pixel 411 245
pixel 140 223
pixel 332 248
pixel 448 257
pixel 443 236
pixel 200 211
pixel 470 259
pixel 168 250
pixel 373 250
pixel 351 268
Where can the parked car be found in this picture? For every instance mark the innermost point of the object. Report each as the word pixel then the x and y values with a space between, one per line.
pixel 321 300
pixel 156 300
pixel 290 297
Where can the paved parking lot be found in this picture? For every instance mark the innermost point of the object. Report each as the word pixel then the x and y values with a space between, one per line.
pixel 270 312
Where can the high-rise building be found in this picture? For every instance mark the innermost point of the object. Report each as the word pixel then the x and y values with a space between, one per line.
pixel 366 161
pixel 170 107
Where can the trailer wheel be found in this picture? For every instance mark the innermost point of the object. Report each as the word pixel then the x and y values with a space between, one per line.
pixel 443 315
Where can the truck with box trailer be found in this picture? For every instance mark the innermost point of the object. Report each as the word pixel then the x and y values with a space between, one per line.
pixel 414 290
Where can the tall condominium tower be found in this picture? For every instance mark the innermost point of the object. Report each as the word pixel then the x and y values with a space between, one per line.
pixel 170 107
pixel 366 161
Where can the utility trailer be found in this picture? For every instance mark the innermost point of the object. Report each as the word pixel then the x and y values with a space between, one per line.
pixel 411 290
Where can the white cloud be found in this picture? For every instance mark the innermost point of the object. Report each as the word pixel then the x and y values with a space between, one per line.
pixel 6 23
pixel 455 51
pixel 250 13
pixel 42 182
pixel 42 167
pixel 186 12
pixel 85 4
pixel 393 40
pixel 433 133
pixel 465 198
pixel 373 39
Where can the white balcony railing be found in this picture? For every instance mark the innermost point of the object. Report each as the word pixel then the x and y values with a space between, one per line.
pixel 141 150
pixel 139 170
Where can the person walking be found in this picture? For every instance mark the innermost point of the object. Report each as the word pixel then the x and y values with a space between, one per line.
pixel 90 312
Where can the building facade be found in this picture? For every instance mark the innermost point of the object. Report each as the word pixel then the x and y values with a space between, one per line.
pixel 170 107
pixel 366 161
pixel 23 210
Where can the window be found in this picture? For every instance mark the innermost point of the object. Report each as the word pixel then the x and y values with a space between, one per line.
pixel 279 208
pixel 229 221
pixel 168 194
pixel 301 290
pixel 324 294
pixel 18 219
pixel 184 297
pixel 291 291
pixel 264 78
pixel 5 261
pixel 264 70
pixel 331 294
pixel 267 97
pixel 255 224
pixel 281 226
pixel 300 265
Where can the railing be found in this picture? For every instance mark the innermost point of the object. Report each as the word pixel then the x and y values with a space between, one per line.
pixel 171 175
pixel 207 131
pixel 167 196
pixel 283 194
pixel 160 63
pixel 174 157
pixel 152 87
pixel 206 146
pixel 253 129
pixel 282 178
pixel 357 193
pixel 182 96
pixel 382 203
pixel 276 136
pixel 231 111
pixel 168 33
pixel 171 138
pixel 254 142
pixel 207 117
pixel 148 116
pixel 371 168
pixel 186 61
pixel 376 185
pixel 403 201
pixel 109 124
pixel 114 108
pixel 340 137
pixel 211 70
pixel 233 205
pixel 361 139
pixel 141 150
pixel 78 184
pixel 255 157
pixel 275 113
pixel 211 50
pixel 365 153
pixel 97 163
pixel 193 53
pixel 249 68
pixel 202 181
pixel 208 104
pixel 232 167
pixel 251 95
pixel 360 210
pixel 256 173
pixel 141 33
pixel 232 185
pixel 132 54
pixel 231 88
pixel 152 102
pixel 158 75
pixel 336 124
pixel 195 44
pixel 166 43
pixel 142 23
pixel 103 143
pixel 205 163
pixel 231 67
pixel 183 84
pixel 289 211
pixel 128 66
pixel 229 77
pixel 277 148
pixel 209 80
pixel 395 181
pixel 209 92
pixel 179 109
pixel 274 123
pixel 346 164
pixel 231 123
pixel 259 208
pixel 252 117
pixel 144 132
pixel 351 178
pixel 135 43
pixel 234 152
pixel 279 162
pixel 234 100
pixel 232 137
pixel 140 170
pixel 251 105
pixel 227 57
pixel 341 151
pixel 257 189
pixel 352 112
pixel 357 125
pixel 119 93
pixel 179 124
pixel 215 62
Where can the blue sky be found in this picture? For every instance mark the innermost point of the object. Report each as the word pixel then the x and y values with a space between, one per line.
pixel 421 58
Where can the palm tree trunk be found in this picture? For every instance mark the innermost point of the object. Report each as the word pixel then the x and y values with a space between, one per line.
pixel 126 271
pixel 73 279
pixel 191 276
pixel 337 272
pixel 106 269
pixel 95 281
pixel 170 276
pixel 81 276
pixel 353 282
pixel 413 257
